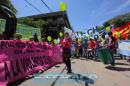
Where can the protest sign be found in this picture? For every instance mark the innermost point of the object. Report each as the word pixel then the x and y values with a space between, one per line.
pixel 19 59
pixel 124 47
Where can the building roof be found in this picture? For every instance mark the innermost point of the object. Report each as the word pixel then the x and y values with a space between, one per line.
pixel 48 15
pixel 52 15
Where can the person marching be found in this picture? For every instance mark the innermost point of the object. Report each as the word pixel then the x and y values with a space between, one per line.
pixel 80 48
pixel 91 48
pixel 73 49
pixel 111 47
pixel 66 44
pixel 77 49
pixel 97 47
pixel 85 47
pixel 35 37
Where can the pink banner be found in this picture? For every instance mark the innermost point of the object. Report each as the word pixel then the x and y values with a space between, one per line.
pixel 19 59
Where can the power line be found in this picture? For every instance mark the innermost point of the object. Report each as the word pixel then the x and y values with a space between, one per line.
pixel 47 6
pixel 33 6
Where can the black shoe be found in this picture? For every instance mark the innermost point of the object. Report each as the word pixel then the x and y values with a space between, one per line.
pixel 112 64
pixel 69 72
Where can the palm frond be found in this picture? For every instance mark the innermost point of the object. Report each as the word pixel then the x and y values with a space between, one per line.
pixel 9 4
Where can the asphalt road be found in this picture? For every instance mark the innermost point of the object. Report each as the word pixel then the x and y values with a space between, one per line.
pixel 85 73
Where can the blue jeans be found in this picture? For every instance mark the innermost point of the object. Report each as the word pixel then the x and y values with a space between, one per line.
pixel 84 51
pixel 122 56
pixel 96 51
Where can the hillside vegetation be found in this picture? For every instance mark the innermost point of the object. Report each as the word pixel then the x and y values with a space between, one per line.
pixel 25 30
pixel 118 21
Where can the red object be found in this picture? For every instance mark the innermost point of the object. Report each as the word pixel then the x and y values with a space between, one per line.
pixel 91 45
pixel 120 29
pixel 66 42
pixel 124 36
pixel 116 39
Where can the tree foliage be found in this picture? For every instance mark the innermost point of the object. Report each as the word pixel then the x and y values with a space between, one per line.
pixel 100 27
pixel 9 4
pixel 31 22
pixel 106 24
pixel 118 20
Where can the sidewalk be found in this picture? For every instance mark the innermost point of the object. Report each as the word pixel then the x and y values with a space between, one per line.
pixel 85 73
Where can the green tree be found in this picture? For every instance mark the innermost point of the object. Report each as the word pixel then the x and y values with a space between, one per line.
pixel 40 23
pixel 31 22
pixel 27 21
pixel 8 11
pixel 9 4
pixel 100 27
pixel 106 24
pixel 118 20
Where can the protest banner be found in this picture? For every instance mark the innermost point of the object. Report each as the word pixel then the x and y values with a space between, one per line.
pixel 124 47
pixel 21 58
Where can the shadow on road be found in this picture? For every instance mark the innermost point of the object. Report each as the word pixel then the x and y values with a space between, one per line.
pixel 122 64
pixel 118 58
pixel 80 78
pixel 58 77
pixel 117 68
pixel 57 66
pixel 82 58
pixel 16 83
